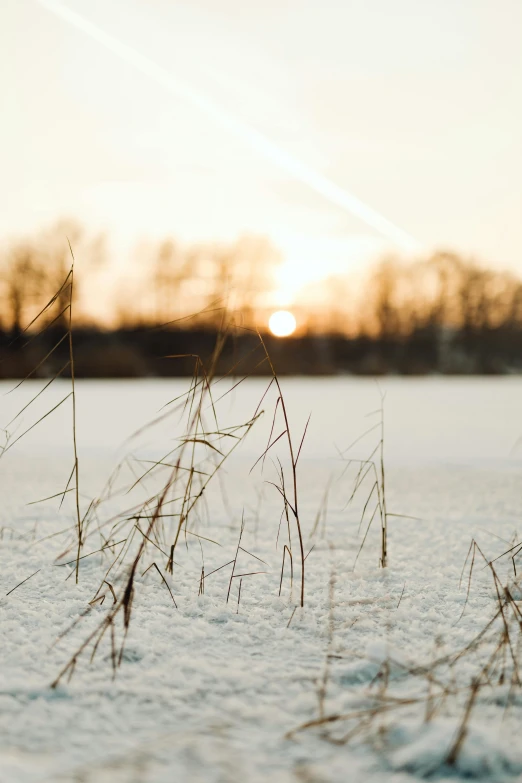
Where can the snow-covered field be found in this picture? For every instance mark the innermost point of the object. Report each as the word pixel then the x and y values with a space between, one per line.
pixel 215 691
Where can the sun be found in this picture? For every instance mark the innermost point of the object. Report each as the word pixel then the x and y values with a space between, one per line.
pixel 282 323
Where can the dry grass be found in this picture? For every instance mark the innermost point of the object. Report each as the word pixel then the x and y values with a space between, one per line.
pixel 145 536
pixel 494 654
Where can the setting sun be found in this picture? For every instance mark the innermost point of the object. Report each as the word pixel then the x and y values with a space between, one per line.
pixel 282 323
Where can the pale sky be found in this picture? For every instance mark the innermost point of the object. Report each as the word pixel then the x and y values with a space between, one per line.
pixel 413 106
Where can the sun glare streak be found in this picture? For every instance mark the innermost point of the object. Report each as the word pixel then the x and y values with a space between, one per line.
pixel 282 323
pixel 296 168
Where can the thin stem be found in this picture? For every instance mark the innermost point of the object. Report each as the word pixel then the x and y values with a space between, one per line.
pixel 75 445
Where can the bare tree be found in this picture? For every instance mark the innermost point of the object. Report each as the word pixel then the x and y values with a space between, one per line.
pixel 22 277
pixel 172 269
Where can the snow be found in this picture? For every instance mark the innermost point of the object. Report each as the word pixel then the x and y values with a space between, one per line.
pixel 211 691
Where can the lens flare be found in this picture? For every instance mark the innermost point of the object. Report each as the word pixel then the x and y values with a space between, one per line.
pixel 263 145
pixel 282 323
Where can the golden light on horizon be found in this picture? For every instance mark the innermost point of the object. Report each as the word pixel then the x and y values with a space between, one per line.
pixel 282 323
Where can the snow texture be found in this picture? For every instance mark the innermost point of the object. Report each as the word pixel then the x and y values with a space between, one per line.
pixel 211 691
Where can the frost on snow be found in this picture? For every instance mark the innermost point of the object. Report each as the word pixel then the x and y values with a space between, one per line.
pixel 370 682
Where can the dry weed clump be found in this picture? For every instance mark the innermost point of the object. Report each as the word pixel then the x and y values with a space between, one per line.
pixel 165 500
pixel 146 534
pixel 454 683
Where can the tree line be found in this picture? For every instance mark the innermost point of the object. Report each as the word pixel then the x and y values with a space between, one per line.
pixel 162 282
pixel 444 313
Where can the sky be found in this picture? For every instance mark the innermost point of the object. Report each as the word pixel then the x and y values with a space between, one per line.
pixel 411 106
